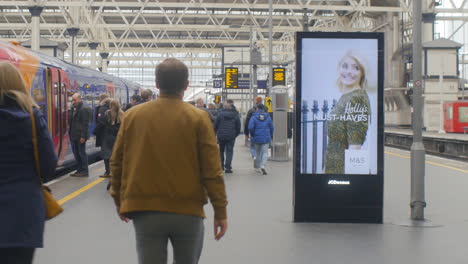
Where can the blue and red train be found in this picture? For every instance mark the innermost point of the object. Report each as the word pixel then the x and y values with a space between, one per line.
pixel 52 82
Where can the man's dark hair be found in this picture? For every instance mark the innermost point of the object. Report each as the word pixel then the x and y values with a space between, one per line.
pixel 171 76
pixel 261 107
pixel 136 97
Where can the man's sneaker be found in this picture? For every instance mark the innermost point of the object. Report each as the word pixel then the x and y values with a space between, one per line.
pixel 105 175
pixel 263 171
pixel 228 171
pixel 75 173
pixel 257 170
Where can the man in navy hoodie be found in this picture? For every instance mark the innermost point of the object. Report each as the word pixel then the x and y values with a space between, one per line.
pixel 261 131
pixel 227 127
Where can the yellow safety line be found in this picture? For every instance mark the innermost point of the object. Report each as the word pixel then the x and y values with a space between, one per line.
pixel 428 162
pixel 80 191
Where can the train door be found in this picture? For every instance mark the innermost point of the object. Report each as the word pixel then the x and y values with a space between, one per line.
pixel 57 91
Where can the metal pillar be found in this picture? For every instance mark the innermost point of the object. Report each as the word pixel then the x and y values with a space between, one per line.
pixel 270 47
pixel 73 32
pixel 104 56
pixel 93 46
pixel 35 25
pixel 418 202
pixel 305 21
pixel 280 147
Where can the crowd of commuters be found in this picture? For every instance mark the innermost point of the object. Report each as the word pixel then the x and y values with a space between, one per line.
pixel 162 190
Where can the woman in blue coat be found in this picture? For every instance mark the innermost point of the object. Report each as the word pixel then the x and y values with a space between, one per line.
pixel 21 200
pixel 261 131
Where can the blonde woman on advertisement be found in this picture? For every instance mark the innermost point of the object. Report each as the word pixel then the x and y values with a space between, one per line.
pixel 348 121
pixel 21 201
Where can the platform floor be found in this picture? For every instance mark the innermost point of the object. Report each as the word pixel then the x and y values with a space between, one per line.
pixel 260 226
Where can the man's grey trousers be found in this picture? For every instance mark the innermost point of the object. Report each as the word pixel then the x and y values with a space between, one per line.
pixel 153 230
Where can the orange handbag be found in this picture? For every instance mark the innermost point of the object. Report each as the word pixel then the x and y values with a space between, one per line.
pixel 53 208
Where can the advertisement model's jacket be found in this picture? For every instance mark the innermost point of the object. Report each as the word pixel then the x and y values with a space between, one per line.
pixel 261 127
pixel 166 159
pixel 21 202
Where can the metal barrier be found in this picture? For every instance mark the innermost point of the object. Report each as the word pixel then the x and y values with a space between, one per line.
pixel 316 119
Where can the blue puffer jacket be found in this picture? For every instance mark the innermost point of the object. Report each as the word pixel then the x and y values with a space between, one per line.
pixel 227 124
pixel 261 127
pixel 21 201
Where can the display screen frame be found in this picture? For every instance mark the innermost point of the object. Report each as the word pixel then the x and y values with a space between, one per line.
pixel 323 197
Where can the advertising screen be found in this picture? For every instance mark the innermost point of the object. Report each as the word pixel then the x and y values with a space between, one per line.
pixel 339 115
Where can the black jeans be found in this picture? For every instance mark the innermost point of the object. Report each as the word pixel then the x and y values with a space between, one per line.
pixel 79 151
pixel 16 255
pixel 228 147
pixel 106 165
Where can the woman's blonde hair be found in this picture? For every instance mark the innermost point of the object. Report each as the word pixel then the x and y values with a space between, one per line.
pixel 116 113
pixel 362 67
pixel 12 85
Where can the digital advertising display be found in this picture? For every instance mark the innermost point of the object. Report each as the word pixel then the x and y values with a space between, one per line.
pixel 339 121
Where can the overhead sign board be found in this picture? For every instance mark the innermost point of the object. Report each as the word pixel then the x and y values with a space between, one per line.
pixel 279 76
pixel 231 75
pixel 217 83
pixel 339 115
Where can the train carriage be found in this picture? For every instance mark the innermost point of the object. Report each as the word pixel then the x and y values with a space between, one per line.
pixel 52 82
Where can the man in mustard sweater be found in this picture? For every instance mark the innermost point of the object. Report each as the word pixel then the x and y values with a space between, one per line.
pixel 164 166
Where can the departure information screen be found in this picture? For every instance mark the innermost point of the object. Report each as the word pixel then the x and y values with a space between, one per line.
pixel 231 78
pixel 279 76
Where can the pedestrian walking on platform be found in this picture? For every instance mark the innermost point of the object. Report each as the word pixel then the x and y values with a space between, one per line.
pixel 21 199
pixel 79 134
pixel 146 95
pixel 201 105
pixel 227 127
pixel 164 167
pixel 251 111
pixel 261 131
pixel 136 100
pixel 111 119
pixel 99 112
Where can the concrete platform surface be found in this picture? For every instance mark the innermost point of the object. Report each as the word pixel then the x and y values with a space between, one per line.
pixel 260 226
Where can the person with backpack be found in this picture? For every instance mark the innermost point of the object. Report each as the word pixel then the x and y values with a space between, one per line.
pixel 111 120
pixel 251 111
pixel 261 131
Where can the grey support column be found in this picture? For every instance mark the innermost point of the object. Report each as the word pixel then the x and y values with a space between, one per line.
pixel 428 19
pixel 93 46
pixel 280 148
pixel 305 21
pixel 418 202
pixel 35 25
pixel 73 32
pixel 104 56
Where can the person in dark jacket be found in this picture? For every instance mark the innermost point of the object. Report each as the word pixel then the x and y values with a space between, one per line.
pixel 213 111
pixel 111 120
pixel 21 200
pixel 79 134
pixel 201 105
pixel 261 131
pixel 251 111
pixel 98 113
pixel 227 127
pixel 136 100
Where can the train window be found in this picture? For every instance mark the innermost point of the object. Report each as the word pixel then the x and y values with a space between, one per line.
pixel 450 113
pixel 463 114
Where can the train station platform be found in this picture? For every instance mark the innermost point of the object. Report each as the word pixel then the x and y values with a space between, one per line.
pixel 260 221
pixel 451 145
